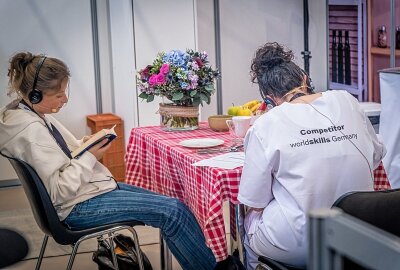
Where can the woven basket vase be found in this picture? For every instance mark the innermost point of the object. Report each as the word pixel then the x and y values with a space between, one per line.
pixel 178 118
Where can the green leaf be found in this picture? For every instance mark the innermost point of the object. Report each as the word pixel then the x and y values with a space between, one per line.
pixel 150 98
pixel 177 96
pixel 204 97
pixel 196 101
pixel 209 87
pixel 143 95
pixel 193 93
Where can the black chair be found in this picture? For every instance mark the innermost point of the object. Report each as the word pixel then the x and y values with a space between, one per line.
pixel 47 219
pixel 378 208
pixel 267 263
pixel 361 231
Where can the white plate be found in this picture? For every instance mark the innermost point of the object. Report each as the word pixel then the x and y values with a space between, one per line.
pixel 201 143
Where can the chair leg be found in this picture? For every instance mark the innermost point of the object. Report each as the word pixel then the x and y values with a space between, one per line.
pixel 73 254
pixel 137 247
pixel 72 257
pixel 165 255
pixel 43 248
pixel 263 267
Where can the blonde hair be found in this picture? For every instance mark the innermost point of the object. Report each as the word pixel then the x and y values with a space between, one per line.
pixel 22 70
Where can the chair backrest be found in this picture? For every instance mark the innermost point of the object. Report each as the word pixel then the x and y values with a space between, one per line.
pixel 43 210
pixel 379 208
pixel 341 241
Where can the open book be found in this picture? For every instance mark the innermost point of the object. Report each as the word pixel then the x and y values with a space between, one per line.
pixel 95 139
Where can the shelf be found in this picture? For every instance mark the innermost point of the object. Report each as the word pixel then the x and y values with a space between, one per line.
pixel 383 51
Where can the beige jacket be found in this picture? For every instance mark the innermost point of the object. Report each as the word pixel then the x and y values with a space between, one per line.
pixel 24 135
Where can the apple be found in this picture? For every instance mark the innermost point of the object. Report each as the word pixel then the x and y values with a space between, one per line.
pixel 233 110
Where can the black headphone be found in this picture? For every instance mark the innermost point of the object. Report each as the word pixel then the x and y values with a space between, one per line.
pixel 35 96
pixel 271 103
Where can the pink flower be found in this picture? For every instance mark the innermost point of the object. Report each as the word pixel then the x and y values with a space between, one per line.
pixel 145 73
pixel 164 68
pixel 199 62
pixel 153 80
pixel 160 78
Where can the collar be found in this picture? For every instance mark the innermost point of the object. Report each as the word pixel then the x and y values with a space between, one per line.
pixel 24 106
pixel 292 91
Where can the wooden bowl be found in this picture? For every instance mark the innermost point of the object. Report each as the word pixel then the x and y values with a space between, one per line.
pixel 218 122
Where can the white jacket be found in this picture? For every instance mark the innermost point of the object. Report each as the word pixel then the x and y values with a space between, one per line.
pixel 25 136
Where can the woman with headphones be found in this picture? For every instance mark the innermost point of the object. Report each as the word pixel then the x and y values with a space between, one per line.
pixel 304 153
pixel 83 191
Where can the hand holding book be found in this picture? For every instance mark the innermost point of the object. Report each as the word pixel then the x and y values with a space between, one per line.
pixel 99 149
pixel 99 139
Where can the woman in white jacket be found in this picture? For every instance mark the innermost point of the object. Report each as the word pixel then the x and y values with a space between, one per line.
pixel 82 190
pixel 302 154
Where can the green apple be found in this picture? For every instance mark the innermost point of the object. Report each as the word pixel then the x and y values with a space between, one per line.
pixel 233 110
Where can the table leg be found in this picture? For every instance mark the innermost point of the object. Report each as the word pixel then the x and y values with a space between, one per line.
pixel 237 213
pixel 165 255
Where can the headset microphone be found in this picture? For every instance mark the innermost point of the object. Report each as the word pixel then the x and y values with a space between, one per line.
pixel 53 110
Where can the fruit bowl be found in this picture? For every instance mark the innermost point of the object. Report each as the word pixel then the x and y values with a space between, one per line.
pixel 218 122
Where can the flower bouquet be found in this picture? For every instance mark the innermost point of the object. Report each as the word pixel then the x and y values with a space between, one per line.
pixel 184 78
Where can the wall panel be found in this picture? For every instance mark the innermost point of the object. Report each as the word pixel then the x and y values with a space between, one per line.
pixel 57 28
pixel 160 26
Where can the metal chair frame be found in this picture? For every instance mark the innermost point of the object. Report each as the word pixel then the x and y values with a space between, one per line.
pixel 47 219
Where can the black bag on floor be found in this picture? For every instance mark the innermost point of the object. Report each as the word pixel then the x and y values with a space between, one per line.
pixel 125 252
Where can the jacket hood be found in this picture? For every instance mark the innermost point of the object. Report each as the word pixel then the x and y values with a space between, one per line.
pixel 13 121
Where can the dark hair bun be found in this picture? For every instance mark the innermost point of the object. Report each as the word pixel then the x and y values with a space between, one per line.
pixel 273 54
pixel 274 70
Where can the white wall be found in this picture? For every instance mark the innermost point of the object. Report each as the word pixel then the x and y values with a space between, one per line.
pixel 56 28
pixel 246 25
pixel 132 32
pixel 160 26
pixel 318 44
pixel 206 42
pixel 122 63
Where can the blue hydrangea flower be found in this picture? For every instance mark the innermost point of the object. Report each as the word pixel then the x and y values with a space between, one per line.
pixel 184 85
pixel 177 58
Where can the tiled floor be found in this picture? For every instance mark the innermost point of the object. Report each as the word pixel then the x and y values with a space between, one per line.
pixel 14 199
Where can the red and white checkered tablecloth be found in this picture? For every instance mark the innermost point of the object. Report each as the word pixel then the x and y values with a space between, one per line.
pixel 155 161
pixel 381 181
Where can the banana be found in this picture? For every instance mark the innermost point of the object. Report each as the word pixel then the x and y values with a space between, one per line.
pixel 250 104
pixel 255 107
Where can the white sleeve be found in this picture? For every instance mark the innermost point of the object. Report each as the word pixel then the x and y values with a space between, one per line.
pixel 61 176
pixel 256 181
pixel 379 147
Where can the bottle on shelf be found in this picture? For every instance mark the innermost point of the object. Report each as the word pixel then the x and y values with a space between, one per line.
pixel 347 59
pixel 334 57
pixel 382 37
pixel 340 58
pixel 398 37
